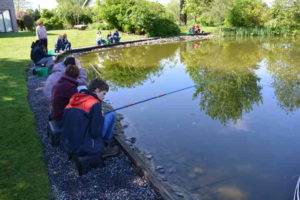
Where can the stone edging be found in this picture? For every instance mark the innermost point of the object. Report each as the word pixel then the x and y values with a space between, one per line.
pixel 148 41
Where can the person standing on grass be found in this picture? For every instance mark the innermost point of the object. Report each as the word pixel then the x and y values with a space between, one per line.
pixel 41 33
pixel 63 91
pixel 84 129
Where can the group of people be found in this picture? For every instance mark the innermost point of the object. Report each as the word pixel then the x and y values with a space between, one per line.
pixel 62 43
pixel 110 38
pixel 76 106
pixel 39 49
pixel 195 30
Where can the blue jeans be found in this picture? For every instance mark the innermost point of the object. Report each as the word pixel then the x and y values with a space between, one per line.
pixel 108 127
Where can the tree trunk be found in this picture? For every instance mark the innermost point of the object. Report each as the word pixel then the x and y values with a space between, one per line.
pixel 183 16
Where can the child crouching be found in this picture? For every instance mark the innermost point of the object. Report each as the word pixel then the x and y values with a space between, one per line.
pixel 84 129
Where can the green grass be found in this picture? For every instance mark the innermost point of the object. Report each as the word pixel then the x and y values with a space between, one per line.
pixel 23 173
pixel 207 29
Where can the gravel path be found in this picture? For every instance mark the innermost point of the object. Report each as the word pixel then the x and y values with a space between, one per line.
pixel 117 180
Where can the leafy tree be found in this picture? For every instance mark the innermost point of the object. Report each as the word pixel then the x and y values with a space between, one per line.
pixel 21 5
pixel 28 22
pixel 138 16
pixel 51 19
pixel 34 13
pixel 73 13
pixel 285 16
pixel 173 7
pixel 247 13
pixel 195 8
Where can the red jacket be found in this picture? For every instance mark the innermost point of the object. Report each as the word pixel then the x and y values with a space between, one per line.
pixel 81 131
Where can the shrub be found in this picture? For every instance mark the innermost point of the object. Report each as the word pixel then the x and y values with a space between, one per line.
pixel 137 16
pixel 247 13
pixel 28 22
pixel 51 19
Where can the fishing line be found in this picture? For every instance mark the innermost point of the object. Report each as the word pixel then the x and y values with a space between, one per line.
pixel 175 91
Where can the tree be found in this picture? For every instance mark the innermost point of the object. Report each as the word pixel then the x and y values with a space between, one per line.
pixel 285 16
pixel 21 5
pixel 28 22
pixel 73 12
pixel 138 16
pixel 247 13
pixel 183 15
pixel 174 8
pixel 34 13
pixel 51 19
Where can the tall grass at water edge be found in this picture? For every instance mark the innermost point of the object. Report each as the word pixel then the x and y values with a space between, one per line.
pixel 246 32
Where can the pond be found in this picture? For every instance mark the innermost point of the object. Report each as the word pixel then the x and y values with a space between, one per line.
pixel 232 139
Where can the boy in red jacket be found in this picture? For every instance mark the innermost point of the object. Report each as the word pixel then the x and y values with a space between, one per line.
pixel 85 130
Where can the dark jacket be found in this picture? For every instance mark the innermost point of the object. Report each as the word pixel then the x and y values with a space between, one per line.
pixel 61 94
pixel 38 53
pixel 59 44
pixel 82 124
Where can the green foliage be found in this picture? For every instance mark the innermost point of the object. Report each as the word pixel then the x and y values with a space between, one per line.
pixel 73 13
pixel 28 22
pixel 34 13
pixel 51 19
pixel 247 13
pixel 137 16
pixel 285 17
pixel 173 8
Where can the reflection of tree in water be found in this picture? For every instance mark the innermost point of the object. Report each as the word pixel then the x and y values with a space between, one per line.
pixel 284 64
pixel 230 97
pixel 128 67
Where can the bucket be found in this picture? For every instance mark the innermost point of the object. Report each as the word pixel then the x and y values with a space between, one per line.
pixel 42 71
pixel 51 52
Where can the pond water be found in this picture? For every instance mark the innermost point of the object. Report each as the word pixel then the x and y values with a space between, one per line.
pixel 232 139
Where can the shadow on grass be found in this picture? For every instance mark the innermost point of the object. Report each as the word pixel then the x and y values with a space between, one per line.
pixel 20 34
pixel 23 174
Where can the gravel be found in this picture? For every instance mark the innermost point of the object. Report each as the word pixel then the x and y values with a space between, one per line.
pixel 117 180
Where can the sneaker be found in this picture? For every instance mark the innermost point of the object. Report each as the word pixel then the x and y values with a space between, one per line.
pixel 110 150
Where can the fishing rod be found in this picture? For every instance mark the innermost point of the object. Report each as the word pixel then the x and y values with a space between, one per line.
pixel 175 91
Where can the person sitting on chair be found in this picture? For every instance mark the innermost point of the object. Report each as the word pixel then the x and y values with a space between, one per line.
pixel 85 130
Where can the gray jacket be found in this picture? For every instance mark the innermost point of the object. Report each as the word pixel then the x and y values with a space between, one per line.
pixel 57 71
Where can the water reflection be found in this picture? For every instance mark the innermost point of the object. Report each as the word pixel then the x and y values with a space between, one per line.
pixel 229 98
pixel 228 139
pixel 283 62
pixel 128 67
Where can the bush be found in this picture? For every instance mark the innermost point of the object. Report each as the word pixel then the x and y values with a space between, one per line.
pixel 28 22
pixel 101 26
pixel 51 19
pixel 137 16
pixel 164 27
pixel 247 13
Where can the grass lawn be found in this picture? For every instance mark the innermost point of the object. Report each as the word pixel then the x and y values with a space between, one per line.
pixel 23 173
